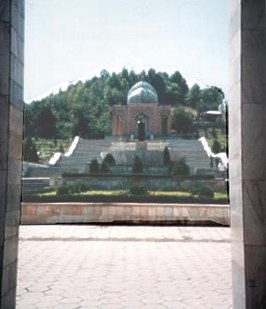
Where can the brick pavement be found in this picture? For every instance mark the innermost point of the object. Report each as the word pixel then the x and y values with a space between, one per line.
pixel 124 267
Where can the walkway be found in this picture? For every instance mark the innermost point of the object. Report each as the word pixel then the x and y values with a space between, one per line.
pixel 124 267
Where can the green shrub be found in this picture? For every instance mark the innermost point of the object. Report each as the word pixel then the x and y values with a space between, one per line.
pixel 94 166
pixel 109 159
pixel 30 151
pixel 214 133
pixel 166 157
pixel 182 121
pixel 61 148
pixel 137 165
pixel 203 191
pixel 206 191
pixel 216 146
pixel 104 168
pixel 63 190
pixel 71 188
pixel 135 190
pixel 179 168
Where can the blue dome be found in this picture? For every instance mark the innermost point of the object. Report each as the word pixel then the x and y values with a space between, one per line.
pixel 142 92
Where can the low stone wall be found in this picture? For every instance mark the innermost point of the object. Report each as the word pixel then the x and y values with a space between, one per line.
pixel 116 182
pixel 128 169
pixel 51 213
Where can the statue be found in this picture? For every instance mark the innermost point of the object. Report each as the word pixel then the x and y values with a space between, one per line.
pixel 141 130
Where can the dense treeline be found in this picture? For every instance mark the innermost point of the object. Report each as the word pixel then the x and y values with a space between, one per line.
pixel 84 109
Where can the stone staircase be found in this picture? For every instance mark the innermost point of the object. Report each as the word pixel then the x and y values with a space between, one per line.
pixel 193 151
pixel 124 152
pixel 85 151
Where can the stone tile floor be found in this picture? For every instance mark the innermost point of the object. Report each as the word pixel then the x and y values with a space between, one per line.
pixel 80 266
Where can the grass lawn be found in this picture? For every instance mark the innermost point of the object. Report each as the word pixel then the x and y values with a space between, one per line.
pixel 172 195
pixel 46 148
pixel 169 193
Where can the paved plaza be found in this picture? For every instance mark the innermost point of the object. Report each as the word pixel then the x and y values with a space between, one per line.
pixel 79 266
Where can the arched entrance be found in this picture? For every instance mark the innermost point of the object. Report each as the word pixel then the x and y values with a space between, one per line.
pixel 118 127
pixel 142 127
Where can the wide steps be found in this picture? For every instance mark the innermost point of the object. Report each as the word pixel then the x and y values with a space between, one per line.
pixel 192 151
pixel 150 152
pixel 85 152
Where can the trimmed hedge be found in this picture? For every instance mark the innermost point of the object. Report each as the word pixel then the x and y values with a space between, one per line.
pixel 188 177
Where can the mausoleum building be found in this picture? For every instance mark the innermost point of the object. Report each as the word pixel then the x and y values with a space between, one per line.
pixel 142 107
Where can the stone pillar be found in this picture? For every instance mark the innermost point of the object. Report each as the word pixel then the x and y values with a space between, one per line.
pixel 11 120
pixel 247 152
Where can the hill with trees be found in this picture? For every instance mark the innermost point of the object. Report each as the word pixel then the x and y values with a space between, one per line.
pixel 84 109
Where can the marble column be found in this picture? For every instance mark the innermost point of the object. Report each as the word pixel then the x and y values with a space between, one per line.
pixel 11 120
pixel 247 151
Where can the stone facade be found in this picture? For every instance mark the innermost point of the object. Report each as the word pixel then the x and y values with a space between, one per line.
pixel 157 119
pixel 45 213
pixel 247 147
pixel 11 120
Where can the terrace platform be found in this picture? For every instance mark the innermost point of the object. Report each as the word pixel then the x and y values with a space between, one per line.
pixel 190 214
pixel 124 267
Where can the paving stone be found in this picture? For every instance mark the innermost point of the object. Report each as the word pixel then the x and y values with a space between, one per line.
pixel 67 273
pixel 154 306
pixel 70 300
pixel 179 305
pixel 65 306
pixel 90 304
pixel 23 306
pixel 112 306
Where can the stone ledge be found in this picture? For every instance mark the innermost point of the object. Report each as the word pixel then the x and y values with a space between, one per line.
pixel 187 214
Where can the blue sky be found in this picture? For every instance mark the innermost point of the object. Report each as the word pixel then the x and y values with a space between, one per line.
pixel 68 40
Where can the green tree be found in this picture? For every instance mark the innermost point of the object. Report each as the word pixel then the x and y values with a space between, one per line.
pixel 114 81
pixel 182 121
pixel 104 167
pixel 81 125
pixel 178 79
pixel 109 159
pixel 47 123
pixel 210 99
pixel 172 94
pixel 180 168
pixel 104 74
pixel 132 78
pixel 125 74
pixel 94 166
pixel 193 96
pixel 84 109
pixel 166 156
pixel 29 150
pixel 137 165
pixel 158 82
pixel 216 147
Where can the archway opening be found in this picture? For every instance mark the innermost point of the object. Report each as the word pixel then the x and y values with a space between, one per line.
pixel 142 122
pixel 151 98
pixel 118 120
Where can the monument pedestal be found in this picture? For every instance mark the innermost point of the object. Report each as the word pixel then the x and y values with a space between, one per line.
pixel 141 146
